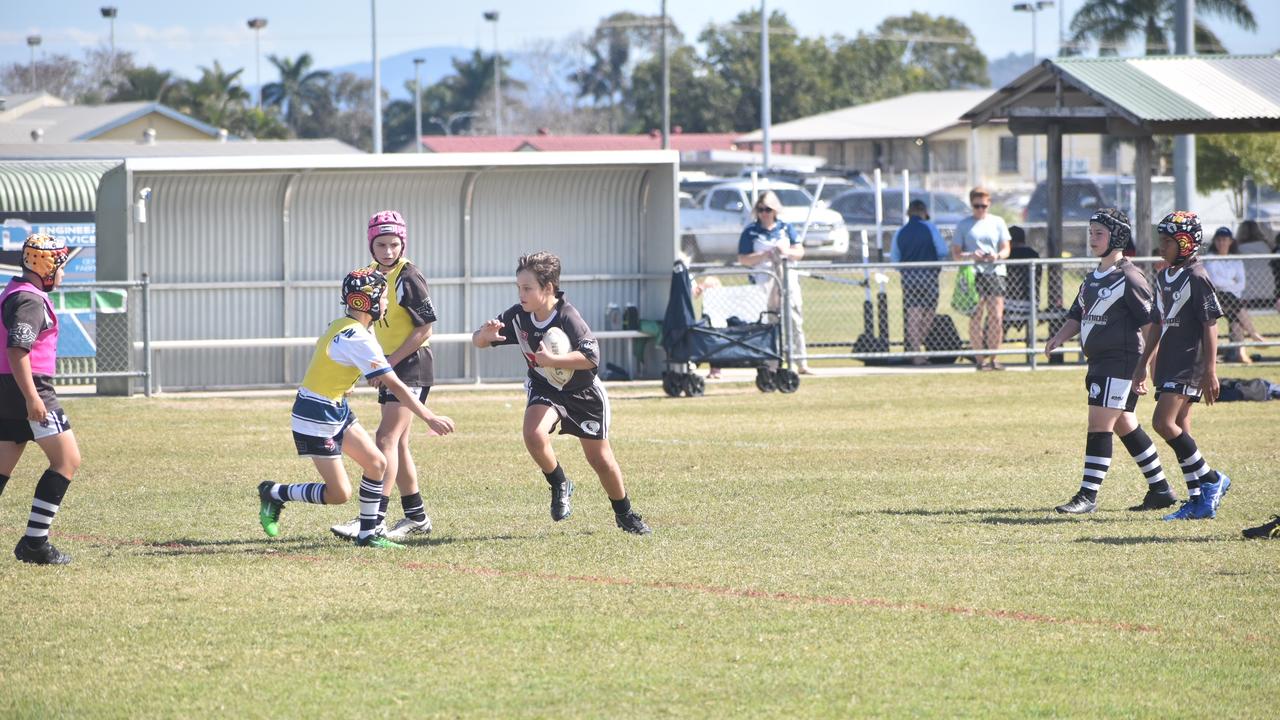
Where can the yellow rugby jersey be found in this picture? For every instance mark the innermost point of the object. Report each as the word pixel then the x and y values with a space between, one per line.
pixel 344 353
pixel 396 324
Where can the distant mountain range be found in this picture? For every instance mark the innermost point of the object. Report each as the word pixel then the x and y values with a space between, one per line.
pixel 397 70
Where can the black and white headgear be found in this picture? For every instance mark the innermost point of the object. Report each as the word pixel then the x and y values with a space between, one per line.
pixel 1117 222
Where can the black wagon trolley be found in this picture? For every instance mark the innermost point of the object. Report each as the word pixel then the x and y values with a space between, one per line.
pixel 689 341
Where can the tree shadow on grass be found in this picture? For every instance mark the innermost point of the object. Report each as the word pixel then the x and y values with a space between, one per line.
pixel 1042 520
pixel 1149 539
pixel 942 513
pixel 229 546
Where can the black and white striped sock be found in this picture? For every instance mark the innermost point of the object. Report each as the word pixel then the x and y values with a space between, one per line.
pixel 4 480
pixel 299 492
pixel 1097 460
pixel 1143 451
pixel 370 499
pixel 413 507
pixel 1194 468
pixel 44 507
pixel 382 508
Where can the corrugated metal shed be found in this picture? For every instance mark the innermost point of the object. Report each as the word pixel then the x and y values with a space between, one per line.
pixel 255 248
pixel 1168 94
pixel 50 185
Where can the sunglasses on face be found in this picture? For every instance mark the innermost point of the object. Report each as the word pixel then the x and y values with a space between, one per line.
pixel 764 209
pixel 980 207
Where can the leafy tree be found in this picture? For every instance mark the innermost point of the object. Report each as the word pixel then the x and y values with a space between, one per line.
pixel 941 47
pixel 1224 162
pixel 55 74
pixel 700 98
pixel 258 123
pixel 614 49
pixel 216 98
pixel 300 90
pixel 1111 23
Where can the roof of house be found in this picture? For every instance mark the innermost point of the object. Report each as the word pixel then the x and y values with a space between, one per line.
pixel 913 115
pixel 118 150
pixel 1160 94
pixel 78 123
pixel 573 143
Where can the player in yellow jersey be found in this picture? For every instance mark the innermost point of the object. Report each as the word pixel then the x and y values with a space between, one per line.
pixel 324 426
pixel 402 332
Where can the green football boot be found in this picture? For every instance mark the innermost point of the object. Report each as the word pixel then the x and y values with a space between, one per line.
pixel 269 509
pixel 377 541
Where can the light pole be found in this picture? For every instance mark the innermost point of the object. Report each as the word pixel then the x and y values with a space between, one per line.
pixel 666 83
pixel 377 80
pixel 1034 9
pixel 109 12
pixel 417 103
pixel 492 16
pixel 765 101
pixel 33 41
pixel 256 25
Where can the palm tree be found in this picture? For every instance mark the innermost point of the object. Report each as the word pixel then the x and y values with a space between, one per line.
pixel 216 97
pixel 299 91
pixel 1111 23
pixel 471 85
pixel 145 83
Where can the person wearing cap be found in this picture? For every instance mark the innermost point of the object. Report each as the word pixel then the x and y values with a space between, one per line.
pixel 29 408
pixel 1229 278
pixel 403 333
pixel 918 241
pixel 766 241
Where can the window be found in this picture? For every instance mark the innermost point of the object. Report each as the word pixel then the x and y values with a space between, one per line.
pixel 729 200
pixel 1009 154
pixel 947 156
pixel 1110 152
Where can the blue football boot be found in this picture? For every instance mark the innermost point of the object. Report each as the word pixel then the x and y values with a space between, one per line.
pixel 1216 490
pixel 1199 507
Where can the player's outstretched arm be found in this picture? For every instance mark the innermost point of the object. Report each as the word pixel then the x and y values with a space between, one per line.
pixel 439 423
pixel 488 334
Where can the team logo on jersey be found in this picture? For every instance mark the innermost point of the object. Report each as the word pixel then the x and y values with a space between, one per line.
pixel 590 427
pixel 1171 386
pixel 1094 390
pixel 21 334
pixel 1104 293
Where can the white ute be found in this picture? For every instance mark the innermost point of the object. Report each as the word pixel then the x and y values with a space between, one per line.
pixel 710 230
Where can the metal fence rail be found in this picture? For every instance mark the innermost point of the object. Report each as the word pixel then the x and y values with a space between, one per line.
pixel 96 321
pixel 859 311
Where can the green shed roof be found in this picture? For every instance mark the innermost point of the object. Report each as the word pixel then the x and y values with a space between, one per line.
pixel 51 186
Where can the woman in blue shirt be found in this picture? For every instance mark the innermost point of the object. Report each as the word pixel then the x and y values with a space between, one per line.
pixel 766 242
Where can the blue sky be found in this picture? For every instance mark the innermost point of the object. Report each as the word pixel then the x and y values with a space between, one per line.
pixel 181 36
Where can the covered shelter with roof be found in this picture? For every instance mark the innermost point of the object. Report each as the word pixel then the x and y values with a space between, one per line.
pixel 1136 99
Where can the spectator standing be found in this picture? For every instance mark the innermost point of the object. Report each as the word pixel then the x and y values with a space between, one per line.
pixel 983 238
pixel 762 245
pixel 918 241
pixel 1019 287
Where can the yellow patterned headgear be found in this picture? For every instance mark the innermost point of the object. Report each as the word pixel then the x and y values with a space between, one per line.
pixel 43 255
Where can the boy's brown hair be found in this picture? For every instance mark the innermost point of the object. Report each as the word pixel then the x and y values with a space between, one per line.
pixel 544 266
pixel 979 193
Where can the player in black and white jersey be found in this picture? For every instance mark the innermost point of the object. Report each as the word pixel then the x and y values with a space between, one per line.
pixel 579 405
pixel 1110 313
pixel 1186 351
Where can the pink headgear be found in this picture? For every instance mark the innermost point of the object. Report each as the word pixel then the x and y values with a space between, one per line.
pixel 387 222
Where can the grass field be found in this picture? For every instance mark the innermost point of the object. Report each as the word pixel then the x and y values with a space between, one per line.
pixel 873 546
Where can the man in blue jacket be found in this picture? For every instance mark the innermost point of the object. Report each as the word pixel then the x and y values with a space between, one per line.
pixel 918 241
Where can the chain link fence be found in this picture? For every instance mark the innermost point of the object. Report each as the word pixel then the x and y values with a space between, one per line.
pixel 97 326
pixel 933 312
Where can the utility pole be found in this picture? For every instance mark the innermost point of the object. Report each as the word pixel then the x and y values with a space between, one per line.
pixel 765 104
pixel 256 25
pixel 417 104
pixel 33 41
pixel 1184 146
pixel 492 16
pixel 377 82
pixel 666 82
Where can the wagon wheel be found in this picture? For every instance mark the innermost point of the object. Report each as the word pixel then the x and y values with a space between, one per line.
pixel 764 380
pixel 695 386
pixel 787 381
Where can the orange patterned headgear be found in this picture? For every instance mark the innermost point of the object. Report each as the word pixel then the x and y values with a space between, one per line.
pixel 362 290
pixel 1184 227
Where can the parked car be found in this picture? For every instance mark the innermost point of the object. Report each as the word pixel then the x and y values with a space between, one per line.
pixel 858 207
pixel 833 185
pixel 1083 195
pixel 711 230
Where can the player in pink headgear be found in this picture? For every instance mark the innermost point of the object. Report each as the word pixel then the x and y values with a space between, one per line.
pixel 402 334
pixel 387 222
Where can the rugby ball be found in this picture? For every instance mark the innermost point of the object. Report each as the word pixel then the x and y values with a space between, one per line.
pixel 557 343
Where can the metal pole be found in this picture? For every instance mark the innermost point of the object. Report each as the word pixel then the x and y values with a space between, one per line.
pixel 148 366
pixel 257 59
pixel 1184 146
pixel 765 105
pixel 492 16
pixel 1035 139
pixel 417 104
pixel 377 80
pixel 1033 319
pixel 666 82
